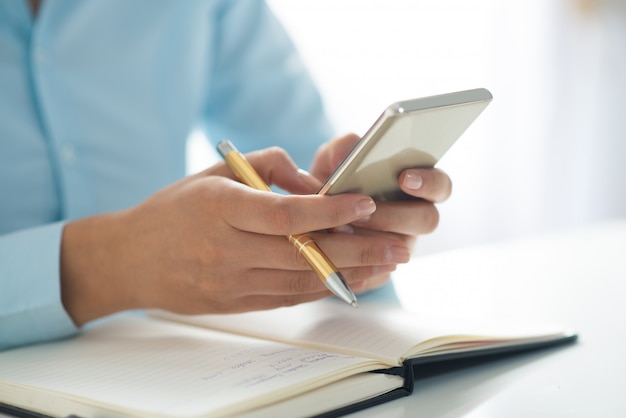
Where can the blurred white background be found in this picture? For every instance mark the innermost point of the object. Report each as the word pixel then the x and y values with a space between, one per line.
pixel 550 150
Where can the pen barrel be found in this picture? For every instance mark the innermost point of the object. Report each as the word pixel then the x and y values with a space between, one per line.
pixel 308 248
pixel 244 171
pixel 323 267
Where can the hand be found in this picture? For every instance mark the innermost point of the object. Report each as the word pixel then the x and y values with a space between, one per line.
pixel 209 244
pixel 403 220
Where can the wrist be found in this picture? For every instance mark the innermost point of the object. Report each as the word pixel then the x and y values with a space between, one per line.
pixel 92 280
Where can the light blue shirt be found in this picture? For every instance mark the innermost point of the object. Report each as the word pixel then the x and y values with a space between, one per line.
pixel 97 99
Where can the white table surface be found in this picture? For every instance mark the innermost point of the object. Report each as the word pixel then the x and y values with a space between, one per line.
pixel 576 278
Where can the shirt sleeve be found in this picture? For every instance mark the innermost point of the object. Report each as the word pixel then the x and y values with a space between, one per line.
pixel 260 92
pixel 30 296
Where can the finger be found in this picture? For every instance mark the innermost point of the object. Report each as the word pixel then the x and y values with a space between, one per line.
pixel 410 217
pixel 431 184
pixel 289 282
pixel 408 239
pixel 331 154
pixel 246 303
pixel 277 253
pixel 264 302
pixel 275 214
pixel 340 147
pixel 347 250
pixel 275 167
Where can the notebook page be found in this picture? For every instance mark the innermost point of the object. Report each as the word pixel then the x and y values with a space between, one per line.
pixel 383 333
pixel 374 331
pixel 157 368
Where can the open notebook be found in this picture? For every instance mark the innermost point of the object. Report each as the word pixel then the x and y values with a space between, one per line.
pixel 312 359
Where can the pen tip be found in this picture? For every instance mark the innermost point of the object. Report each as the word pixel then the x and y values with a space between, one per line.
pixel 354 304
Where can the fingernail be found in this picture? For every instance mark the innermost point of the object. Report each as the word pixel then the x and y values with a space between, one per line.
pixel 413 181
pixel 365 207
pixel 397 254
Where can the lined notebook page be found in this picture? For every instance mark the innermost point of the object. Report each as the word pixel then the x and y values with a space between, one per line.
pixel 168 368
pixel 374 331
pixel 385 334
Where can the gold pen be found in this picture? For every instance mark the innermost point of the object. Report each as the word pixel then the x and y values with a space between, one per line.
pixel 305 245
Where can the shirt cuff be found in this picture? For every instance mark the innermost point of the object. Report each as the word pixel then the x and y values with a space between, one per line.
pixel 31 309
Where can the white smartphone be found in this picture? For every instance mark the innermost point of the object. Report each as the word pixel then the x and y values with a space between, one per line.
pixel 409 134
